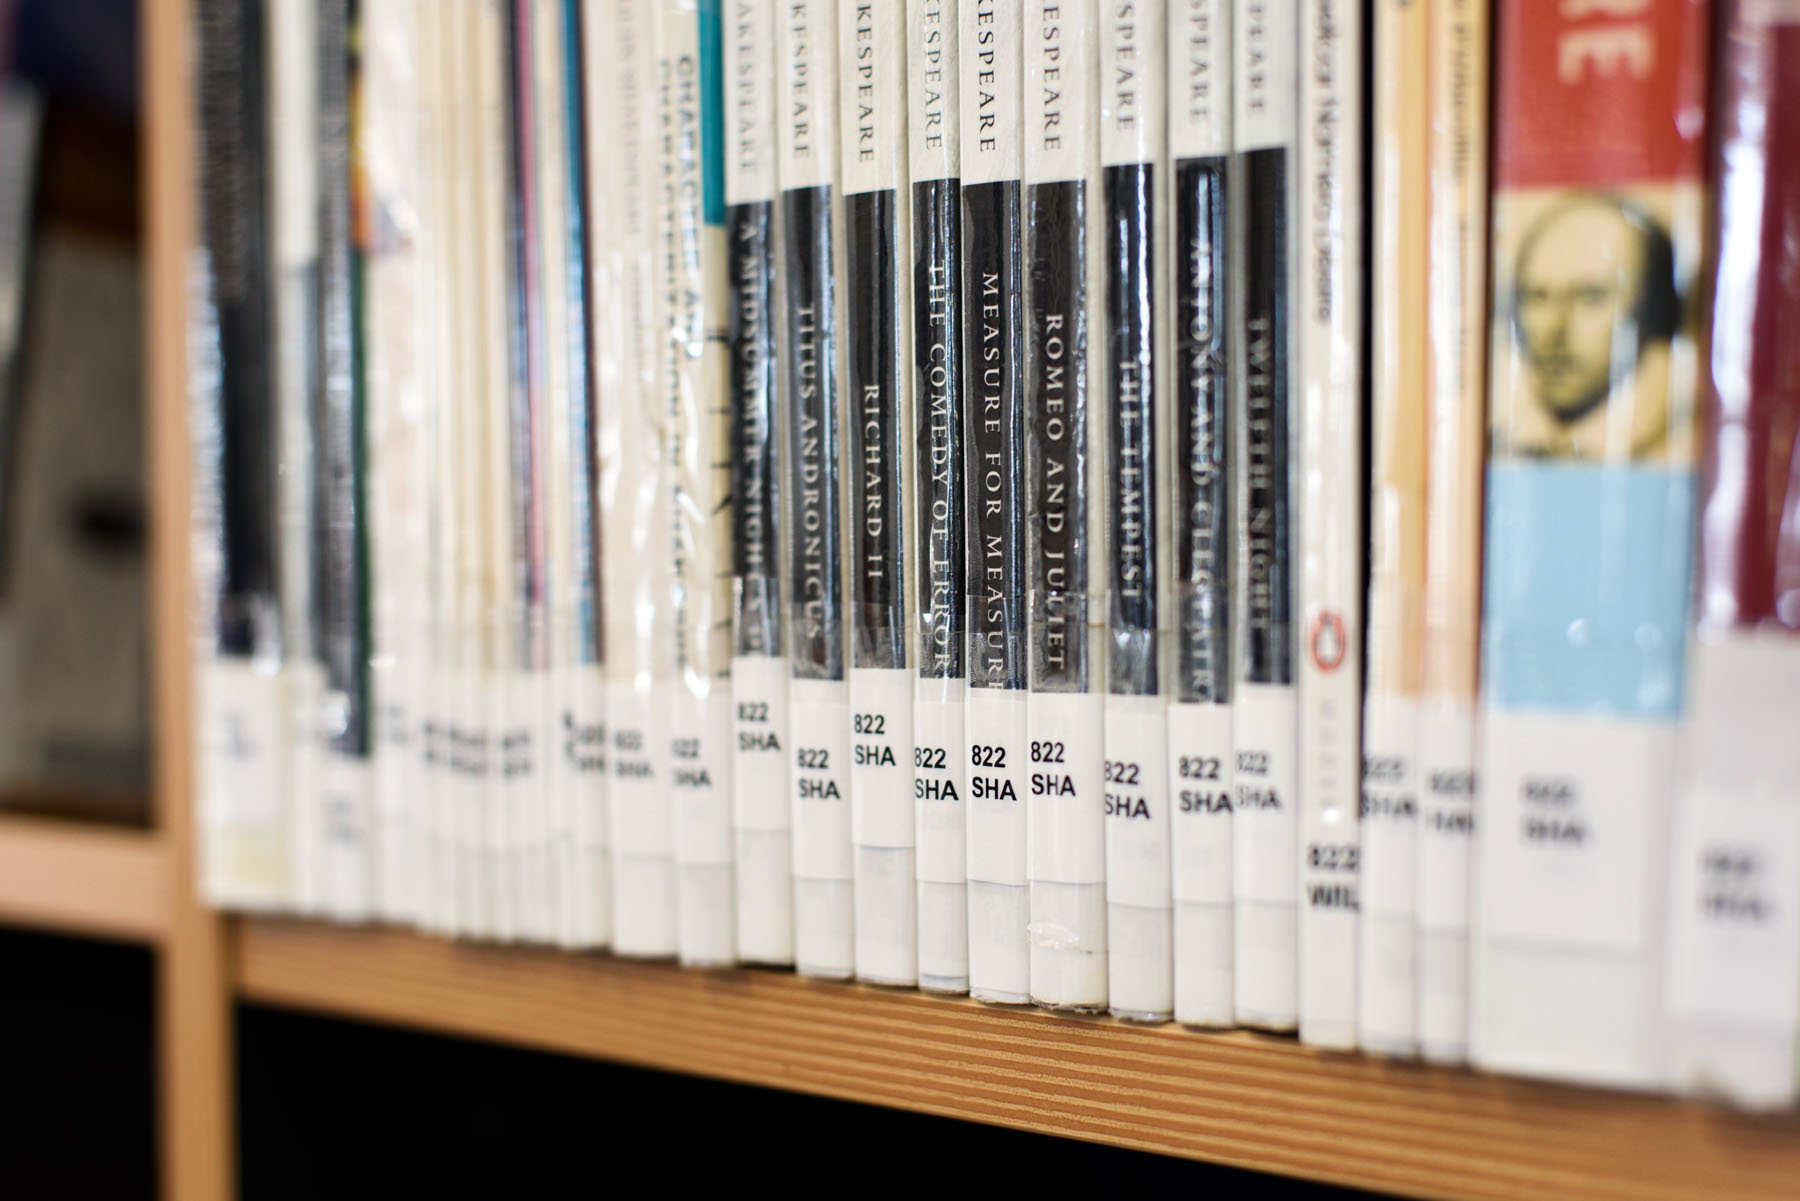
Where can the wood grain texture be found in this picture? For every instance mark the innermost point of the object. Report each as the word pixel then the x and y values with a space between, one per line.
pixel 79 878
pixel 1243 1099
pixel 197 1119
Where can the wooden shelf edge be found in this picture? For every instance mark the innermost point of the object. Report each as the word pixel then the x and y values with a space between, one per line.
pixel 77 878
pixel 1242 1099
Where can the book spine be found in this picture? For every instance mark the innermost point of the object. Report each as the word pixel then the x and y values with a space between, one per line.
pixel 1333 391
pixel 634 497
pixel 1598 180
pixel 343 587
pixel 581 729
pixel 1265 730
pixel 1456 421
pixel 878 312
pixel 1064 557
pixel 940 778
pixel 1134 331
pixel 396 485
pixel 694 277
pixel 1400 236
pixel 1734 955
pixel 759 669
pixel 242 727
pixel 993 345
pixel 818 697
pixel 293 193
pixel 524 621
pixel 1199 764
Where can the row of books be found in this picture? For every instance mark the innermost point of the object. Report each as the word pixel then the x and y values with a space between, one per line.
pixel 1109 506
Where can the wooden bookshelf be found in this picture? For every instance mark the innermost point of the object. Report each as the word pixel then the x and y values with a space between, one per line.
pixel 1242 1099
pixel 82 878
pixel 1248 1100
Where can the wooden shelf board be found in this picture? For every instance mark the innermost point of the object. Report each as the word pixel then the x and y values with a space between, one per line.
pixel 1248 1100
pixel 81 878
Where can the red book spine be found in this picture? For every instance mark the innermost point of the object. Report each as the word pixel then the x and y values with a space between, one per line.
pixel 1749 563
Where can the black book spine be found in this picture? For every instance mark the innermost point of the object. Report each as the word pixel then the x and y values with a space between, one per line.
pixel 1056 382
pixel 813 438
pixel 238 435
pixel 1202 517
pixel 877 493
pixel 939 398
pixel 993 351
pixel 755 516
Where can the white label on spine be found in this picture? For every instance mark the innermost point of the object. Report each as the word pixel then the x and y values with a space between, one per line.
pixel 1199 46
pixel 806 124
pixel 1265 823
pixel 1067 787
pixel 1737 891
pixel 995 756
pixel 749 53
pixel 1573 815
pixel 990 74
pixel 820 797
pixel 1265 93
pixel 872 72
pixel 931 125
pixel 881 754
pixel 1060 88
pixel 1133 109
pixel 1446 824
pixel 1390 799
pixel 760 750
pixel 1199 771
pixel 1138 863
pixel 1735 933
pixel 243 787
pixel 940 783
pixel 587 752
pixel 639 801
pixel 700 776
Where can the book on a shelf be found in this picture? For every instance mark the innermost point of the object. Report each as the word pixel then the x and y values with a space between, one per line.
pixel 759 669
pixel 635 496
pixel 1398 238
pixel 580 719
pixel 1199 763
pixel 1456 440
pixel 813 483
pixel 1265 708
pixel 940 775
pixel 696 278
pixel 872 90
pixel 1329 305
pixel 1734 941
pixel 1133 333
pixel 1596 242
pixel 1065 537
pixel 994 715
pixel 242 723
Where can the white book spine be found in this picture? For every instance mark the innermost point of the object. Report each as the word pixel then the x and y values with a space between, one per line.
pixel 694 277
pixel 994 715
pixel 878 296
pixel 1065 560
pixel 807 150
pixel 939 778
pixel 634 498
pixel 243 731
pixel 1333 482
pixel 1199 765
pixel 1135 164
pixel 1734 921
pixel 759 671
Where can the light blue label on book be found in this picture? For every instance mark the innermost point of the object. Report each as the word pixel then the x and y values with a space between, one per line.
pixel 1586 588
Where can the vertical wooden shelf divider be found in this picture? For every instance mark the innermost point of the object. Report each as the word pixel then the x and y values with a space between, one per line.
pixel 197 1113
